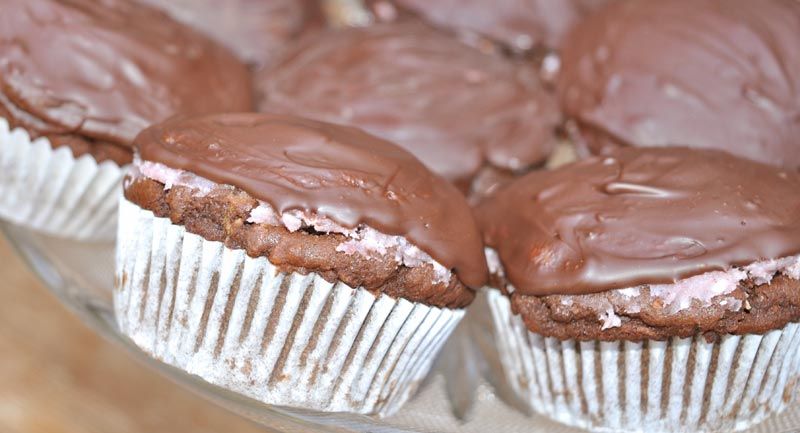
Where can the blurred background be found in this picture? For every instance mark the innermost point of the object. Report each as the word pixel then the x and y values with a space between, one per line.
pixel 56 375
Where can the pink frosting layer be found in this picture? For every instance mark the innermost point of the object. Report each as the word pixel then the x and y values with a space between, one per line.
pixel 706 288
pixel 363 240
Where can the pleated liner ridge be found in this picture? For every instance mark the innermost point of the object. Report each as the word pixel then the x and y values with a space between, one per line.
pixel 51 191
pixel 281 338
pixel 678 385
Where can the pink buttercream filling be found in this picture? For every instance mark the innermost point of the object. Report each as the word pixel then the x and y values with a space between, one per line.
pixel 171 177
pixel 704 287
pixel 363 240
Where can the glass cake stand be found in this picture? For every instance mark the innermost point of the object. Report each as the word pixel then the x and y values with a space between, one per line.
pixel 461 394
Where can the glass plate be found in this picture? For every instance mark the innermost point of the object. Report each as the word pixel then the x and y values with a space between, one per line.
pixel 460 395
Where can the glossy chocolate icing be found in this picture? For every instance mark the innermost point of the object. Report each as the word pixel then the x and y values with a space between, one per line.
pixel 701 73
pixel 450 105
pixel 519 24
pixel 339 172
pixel 106 69
pixel 640 216
pixel 256 30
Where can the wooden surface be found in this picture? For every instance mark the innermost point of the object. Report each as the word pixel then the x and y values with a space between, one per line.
pixel 57 376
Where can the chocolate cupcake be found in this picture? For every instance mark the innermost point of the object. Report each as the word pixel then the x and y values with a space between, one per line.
pixel 721 74
pixel 473 118
pixel 650 290
pixel 78 80
pixel 257 31
pixel 299 263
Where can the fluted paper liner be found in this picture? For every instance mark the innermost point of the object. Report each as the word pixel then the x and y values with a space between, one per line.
pixel 51 191
pixel 677 385
pixel 282 338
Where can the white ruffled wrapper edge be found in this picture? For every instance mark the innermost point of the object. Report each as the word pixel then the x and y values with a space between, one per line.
pixel 51 191
pixel 281 338
pixel 681 384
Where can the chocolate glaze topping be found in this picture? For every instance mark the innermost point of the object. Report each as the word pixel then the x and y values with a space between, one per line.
pixel 702 73
pixel 452 106
pixel 255 30
pixel 106 69
pixel 519 24
pixel 340 172
pixel 640 216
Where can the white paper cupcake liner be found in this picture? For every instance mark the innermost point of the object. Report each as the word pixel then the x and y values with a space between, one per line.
pixel 51 191
pixel 678 385
pixel 282 338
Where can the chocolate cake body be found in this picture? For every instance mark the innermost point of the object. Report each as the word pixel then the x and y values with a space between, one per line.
pixel 222 216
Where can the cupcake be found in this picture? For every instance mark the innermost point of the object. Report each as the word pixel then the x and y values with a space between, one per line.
pixel 78 81
pixel 722 74
pixel 472 118
pixel 299 263
pixel 256 31
pixel 651 290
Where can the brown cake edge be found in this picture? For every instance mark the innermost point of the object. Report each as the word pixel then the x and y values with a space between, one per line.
pixel 764 307
pixel 222 216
